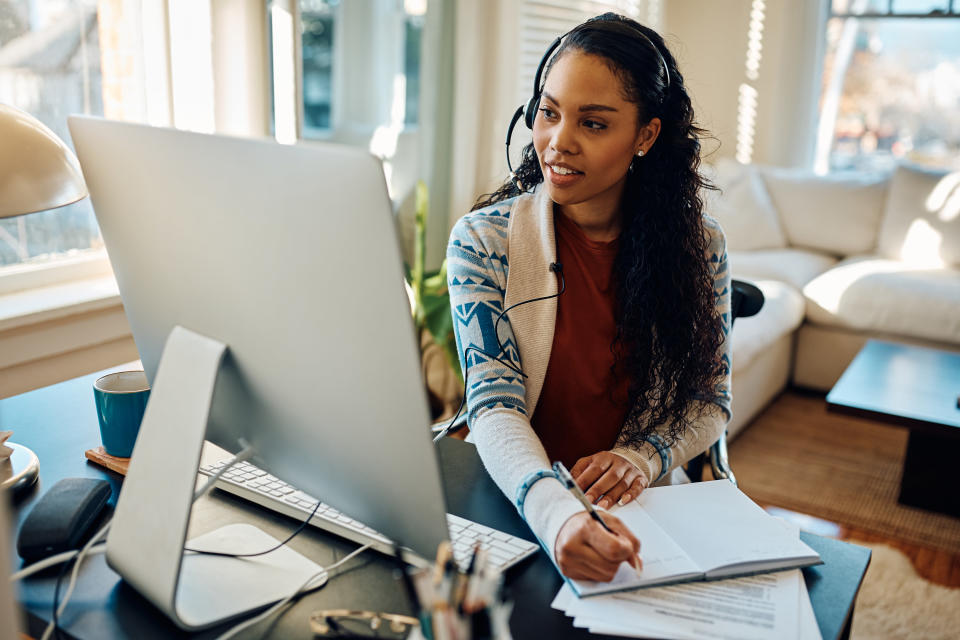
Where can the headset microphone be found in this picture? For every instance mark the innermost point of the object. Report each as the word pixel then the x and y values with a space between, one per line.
pixel 513 123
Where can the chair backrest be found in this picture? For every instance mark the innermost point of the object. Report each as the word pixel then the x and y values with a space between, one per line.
pixel 745 300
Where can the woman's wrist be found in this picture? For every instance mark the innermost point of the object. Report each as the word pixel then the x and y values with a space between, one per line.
pixel 646 460
pixel 547 508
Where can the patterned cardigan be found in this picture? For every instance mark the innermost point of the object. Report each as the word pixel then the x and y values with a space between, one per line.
pixel 501 255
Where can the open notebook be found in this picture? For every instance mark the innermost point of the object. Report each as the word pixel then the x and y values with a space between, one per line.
pixel 701 531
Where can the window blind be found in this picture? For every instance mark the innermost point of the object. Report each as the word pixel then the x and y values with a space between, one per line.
pixel 541 21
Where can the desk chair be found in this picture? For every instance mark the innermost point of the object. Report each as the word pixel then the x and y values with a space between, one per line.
pixel 745 301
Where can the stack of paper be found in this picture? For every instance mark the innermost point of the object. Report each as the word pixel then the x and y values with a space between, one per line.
pixel 756 607
pixel 770 605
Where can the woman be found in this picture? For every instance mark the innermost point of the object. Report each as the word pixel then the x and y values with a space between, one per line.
pixel 619 364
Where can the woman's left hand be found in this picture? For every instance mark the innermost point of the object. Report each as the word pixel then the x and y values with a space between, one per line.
pixel 607 478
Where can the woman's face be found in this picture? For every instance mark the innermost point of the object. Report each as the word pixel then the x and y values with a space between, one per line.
pixel 586 134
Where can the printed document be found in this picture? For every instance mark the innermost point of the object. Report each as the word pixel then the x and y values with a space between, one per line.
pixel 770 605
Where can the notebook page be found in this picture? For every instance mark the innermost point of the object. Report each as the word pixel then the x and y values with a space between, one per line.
pixel 718 526
pixel 663 559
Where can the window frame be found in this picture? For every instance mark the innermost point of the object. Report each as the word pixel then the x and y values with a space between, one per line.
pixel 69 267
pixel 821 160
pixel 953 11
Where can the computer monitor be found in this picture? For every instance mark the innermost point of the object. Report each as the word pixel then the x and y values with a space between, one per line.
pixel 285 259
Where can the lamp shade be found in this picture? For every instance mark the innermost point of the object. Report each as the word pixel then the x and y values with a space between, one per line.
pixel 37 170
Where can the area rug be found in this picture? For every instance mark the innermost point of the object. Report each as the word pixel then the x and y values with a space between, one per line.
pixel 798 456
pixel 897 604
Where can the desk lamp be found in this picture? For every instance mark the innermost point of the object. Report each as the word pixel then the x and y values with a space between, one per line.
pixel 37 172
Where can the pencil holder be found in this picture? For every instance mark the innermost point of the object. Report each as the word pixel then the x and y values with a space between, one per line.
pixel 456 604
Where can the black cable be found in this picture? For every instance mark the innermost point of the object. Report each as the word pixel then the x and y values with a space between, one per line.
pixel 557 268
pixel 303 525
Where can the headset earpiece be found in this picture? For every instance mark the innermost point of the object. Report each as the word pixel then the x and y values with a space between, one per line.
pixel 530 113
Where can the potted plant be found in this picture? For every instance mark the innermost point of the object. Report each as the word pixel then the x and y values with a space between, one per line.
pixel 430 305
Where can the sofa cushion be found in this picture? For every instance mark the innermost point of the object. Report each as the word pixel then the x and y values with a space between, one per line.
pixel 781 314
pixel 889 296
pixel 838 215
pixel 921 222
pixel 742 207
pixel 793 266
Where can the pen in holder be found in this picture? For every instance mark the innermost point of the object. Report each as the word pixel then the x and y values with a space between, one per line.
pixel 460 605
pixel 448 604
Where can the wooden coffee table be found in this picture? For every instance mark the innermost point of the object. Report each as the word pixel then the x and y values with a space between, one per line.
pixel 916 388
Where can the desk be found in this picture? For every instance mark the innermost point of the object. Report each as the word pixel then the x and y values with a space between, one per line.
pixel 59 423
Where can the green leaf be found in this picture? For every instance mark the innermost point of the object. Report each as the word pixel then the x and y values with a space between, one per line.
pixel 431 306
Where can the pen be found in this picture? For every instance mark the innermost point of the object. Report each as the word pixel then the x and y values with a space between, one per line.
pixel 567 480
pixel 444 557
pixel 473 600
pixel 463 586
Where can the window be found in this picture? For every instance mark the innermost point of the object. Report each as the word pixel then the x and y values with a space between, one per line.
pixel 50 68
pixel 317 19
pixel 891 85
pixel 359 67
pixel 412 46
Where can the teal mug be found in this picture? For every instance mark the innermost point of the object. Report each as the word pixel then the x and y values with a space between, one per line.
pixel 121 400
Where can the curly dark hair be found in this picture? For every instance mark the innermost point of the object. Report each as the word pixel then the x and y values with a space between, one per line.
pixel 668 330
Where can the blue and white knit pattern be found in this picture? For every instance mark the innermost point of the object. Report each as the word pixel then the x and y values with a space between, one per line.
pixel 666 459
pixel 722 290
pixel 528 481
pixel 477 278
pixel 477 267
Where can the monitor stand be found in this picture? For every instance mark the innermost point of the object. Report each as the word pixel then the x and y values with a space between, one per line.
pixel 149 528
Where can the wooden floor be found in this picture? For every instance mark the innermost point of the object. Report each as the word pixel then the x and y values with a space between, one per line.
pixel 937 566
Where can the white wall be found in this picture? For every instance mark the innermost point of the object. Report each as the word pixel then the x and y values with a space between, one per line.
pixel 710 40
pixel 487 45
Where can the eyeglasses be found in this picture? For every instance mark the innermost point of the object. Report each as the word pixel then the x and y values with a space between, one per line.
pixel 365 624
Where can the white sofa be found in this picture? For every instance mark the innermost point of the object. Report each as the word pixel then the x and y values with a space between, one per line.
pixel 840 260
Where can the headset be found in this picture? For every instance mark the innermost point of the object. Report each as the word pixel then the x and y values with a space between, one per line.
pixel 529 111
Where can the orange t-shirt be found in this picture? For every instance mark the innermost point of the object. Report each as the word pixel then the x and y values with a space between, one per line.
pixel 581 407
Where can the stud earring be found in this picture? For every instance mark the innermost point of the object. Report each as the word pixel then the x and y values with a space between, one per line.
pixel 640 153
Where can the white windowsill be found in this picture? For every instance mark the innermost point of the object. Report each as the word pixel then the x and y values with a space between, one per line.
pixel 42 304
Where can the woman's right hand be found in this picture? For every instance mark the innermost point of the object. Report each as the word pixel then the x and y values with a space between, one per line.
pixel 584 550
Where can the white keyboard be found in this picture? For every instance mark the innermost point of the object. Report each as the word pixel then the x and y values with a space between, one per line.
pixel 256 485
